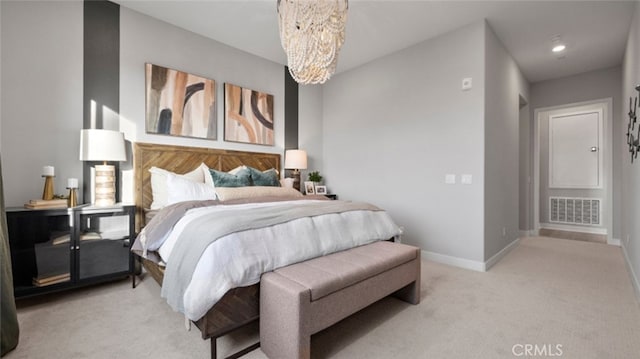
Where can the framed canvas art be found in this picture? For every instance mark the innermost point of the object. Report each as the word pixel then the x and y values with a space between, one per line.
pixel 248 116
pixel 180 104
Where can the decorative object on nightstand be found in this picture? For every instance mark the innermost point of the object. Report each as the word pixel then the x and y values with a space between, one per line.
pixel 46 203
pixel 315 176
pixel 309 187
pixel 72 186
pixel 321 190
pixel 103 145
pixel 295 160
pixel 48 172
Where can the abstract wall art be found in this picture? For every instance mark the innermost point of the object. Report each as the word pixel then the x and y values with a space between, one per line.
pixel 180 104
pixel 633 139
pixel 248 115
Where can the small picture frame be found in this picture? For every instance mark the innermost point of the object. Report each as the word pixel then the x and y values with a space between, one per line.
pixel 321 189
pixel 309 188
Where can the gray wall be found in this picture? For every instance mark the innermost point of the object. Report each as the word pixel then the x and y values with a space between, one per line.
pixel 631 172
pixel 310 127
pixel 579 88
pixel 526 170
pixel 504 86
pixel 41 95
pixel 42 52
pixel 395 126
pixel 145 39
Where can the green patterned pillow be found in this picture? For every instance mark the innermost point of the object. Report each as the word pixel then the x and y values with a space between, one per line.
pixel 266 178
pixel 223 179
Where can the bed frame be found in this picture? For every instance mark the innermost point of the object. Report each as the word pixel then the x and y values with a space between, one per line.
pixel 239 306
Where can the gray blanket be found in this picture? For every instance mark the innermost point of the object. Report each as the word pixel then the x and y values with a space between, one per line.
pixel 206 229
pixel 153 234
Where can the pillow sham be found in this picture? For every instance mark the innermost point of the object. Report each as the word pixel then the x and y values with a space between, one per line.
pixel 182 189
pixel 225 179
pixel 230 193
pixel 264 178
pixel 159 188
pixel 237 169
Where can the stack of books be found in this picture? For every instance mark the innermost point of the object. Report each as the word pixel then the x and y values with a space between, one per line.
pixel 46 203
pixel 42 281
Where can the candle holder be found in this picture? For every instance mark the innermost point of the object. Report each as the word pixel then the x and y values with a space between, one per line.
pixel 72 201
pixel 47 193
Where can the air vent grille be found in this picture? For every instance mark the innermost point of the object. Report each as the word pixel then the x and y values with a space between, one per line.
pixel 574 210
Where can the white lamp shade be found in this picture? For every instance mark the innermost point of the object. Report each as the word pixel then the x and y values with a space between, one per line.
pixel 102 145
pixel 295 159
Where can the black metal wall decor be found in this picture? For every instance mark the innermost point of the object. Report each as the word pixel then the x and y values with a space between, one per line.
pixel 633 140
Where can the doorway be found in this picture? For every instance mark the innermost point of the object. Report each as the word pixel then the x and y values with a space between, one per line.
pixel 526 148
pixel 573 170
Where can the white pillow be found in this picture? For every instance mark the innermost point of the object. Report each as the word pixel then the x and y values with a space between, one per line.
pixel 159 183
pixel 207 175
pixel 229 193
pixel 237 169
pixel 181 189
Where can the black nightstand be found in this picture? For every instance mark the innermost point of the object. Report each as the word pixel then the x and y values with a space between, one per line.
pixel 331 196
pixel 57 249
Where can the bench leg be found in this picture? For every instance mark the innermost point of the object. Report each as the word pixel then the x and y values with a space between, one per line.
pixel 284 327
pixel 410 293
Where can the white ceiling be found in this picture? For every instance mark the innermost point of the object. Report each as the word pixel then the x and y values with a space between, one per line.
pixel 595 31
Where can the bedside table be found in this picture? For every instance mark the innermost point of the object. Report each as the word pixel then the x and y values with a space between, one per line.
pixel 57 249
pixel 331 196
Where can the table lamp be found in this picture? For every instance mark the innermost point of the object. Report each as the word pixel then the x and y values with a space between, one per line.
pixel 103 145
pixel 295 160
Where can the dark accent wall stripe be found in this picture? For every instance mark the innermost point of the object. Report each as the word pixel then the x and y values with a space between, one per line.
pixel 290 111
pixel 101 70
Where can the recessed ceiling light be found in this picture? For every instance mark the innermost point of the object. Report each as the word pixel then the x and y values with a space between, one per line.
pixel 559 48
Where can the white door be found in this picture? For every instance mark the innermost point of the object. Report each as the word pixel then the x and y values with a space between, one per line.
pixel 572 159
pixel 575 156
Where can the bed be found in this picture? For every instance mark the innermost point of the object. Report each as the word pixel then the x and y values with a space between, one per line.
pixel 238 306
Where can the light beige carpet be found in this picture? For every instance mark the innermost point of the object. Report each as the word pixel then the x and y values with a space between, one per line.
pixel 555 294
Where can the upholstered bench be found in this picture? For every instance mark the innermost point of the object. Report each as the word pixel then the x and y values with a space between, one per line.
pixel 304 298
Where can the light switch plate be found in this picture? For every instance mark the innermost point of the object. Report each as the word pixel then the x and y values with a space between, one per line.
pixel 466 179
pixel 450 179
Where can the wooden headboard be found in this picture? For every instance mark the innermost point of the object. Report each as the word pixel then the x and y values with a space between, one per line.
pixel 181 159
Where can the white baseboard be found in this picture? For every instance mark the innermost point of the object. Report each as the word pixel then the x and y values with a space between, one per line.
pixel 454 261
pixel 634 278
pixel 526 233
pixel 467 263
pixel 496 257
pixel 614 241
pixel 570 228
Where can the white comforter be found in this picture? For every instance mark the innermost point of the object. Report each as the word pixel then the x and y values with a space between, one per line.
pixel 239 259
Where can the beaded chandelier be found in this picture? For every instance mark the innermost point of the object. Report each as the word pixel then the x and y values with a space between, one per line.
pixel 312 33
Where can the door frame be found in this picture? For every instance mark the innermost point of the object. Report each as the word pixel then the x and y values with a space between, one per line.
pixel 607 155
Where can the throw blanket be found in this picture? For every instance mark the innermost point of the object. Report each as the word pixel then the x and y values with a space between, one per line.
pixel 156 231
pixel 206 228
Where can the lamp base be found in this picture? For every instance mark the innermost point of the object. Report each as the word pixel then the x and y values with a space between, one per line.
pixel 105 185
pixel 296 180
